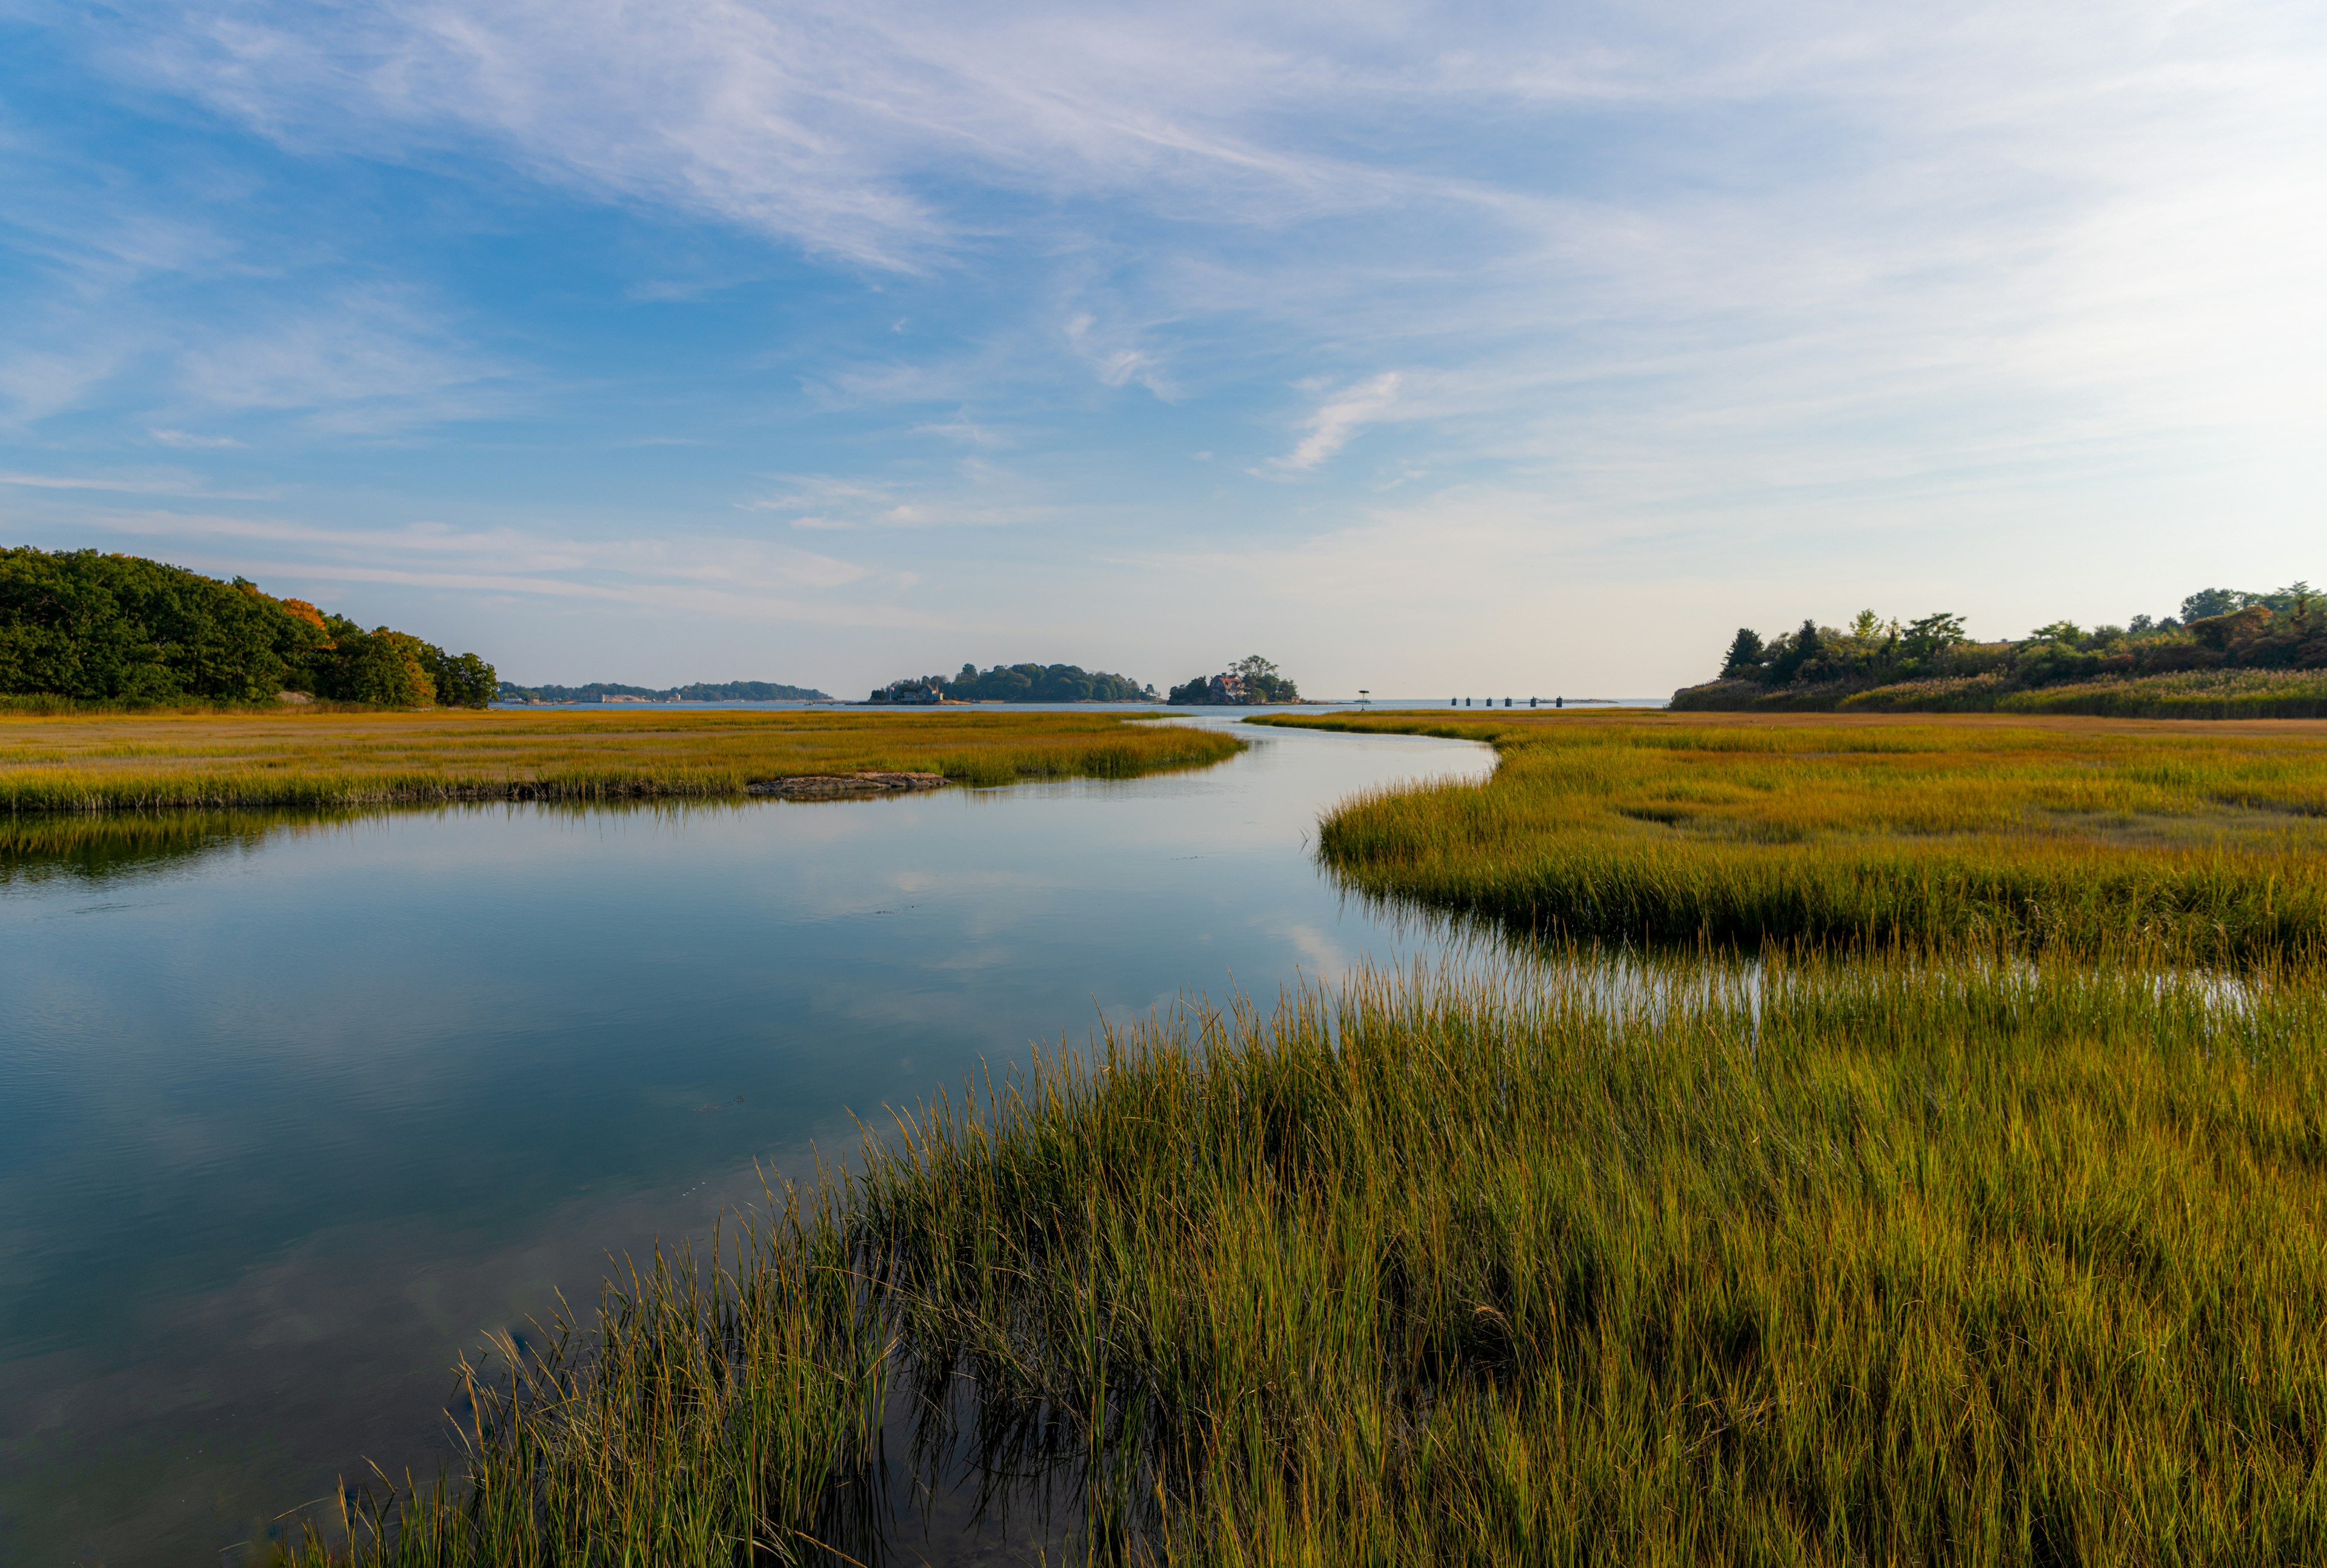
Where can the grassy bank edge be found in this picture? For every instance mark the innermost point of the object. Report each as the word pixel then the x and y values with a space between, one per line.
pixel 2242 694
pixel 1893 1262
pixel 1530 847
pixel 295 785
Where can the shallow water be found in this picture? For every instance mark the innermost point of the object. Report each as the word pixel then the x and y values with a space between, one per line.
pixel 291 1110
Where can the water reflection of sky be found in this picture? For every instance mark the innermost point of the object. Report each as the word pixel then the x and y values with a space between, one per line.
pixel 288 1118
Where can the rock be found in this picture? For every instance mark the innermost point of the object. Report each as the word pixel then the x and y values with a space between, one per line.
pixel 294 697
pixel 842 786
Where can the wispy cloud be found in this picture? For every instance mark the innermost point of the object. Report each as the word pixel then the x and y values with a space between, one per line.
pixel 967 432
pixel 1117 360
pixel 367 360
pixel 142 484
pixel 36 383
pixel 716 574
pixel 814 121
pixel 71 482
pixel 1340 417
pixel 986 498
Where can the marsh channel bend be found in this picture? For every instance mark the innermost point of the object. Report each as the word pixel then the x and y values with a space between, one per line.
pixel 291 1116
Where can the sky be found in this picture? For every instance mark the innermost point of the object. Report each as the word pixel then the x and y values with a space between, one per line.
pixel 1482 349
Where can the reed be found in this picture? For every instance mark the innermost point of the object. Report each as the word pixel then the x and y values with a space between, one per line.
pixel 336 758
pixel 2076 833
pixel 1821 1259
pixel 704 1419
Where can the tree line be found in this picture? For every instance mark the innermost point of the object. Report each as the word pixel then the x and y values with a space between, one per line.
pixel 94 627
pixel 2217 629
pixel 725 691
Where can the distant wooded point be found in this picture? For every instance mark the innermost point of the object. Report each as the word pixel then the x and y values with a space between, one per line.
pixel 728 691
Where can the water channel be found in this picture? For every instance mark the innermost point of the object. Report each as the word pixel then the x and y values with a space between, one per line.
pixel 291 1110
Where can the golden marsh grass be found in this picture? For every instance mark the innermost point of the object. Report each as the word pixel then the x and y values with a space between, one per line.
pixel 2206 840
pixel 117 761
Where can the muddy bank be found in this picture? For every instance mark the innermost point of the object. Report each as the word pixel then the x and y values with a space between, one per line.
pixel 842 786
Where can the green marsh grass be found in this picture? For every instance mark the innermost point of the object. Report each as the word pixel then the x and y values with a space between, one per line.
pixel 168 760
pixel 2211 846
pixel 1823 1258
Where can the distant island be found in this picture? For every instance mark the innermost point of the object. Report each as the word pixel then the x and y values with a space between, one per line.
pixel 1250 679
pixel 1018 682
pixel 89 627
pixel 2228 654
pixel 728 691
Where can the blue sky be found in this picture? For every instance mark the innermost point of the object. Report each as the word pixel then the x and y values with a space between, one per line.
pixel 1451 349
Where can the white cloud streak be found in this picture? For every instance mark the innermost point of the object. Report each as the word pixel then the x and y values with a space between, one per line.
pixel 732 578
pixel 1340 417
pixel 366 361
pixel 985 497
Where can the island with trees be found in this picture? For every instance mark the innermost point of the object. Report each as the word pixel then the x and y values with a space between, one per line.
pixel 1250 679
pixel 1018 682
pixel 83 625
pixel 2230 653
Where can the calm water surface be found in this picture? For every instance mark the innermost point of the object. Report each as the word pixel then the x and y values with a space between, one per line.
pixel 287 1121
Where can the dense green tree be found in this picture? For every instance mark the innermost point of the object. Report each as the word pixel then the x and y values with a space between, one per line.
pixel 2282 630
pixel 2209 603
pixel 97 627
pixel 1745 653
pixel 1041 683
pixel 381 667
pixel 1262 681
pixel 1931 635
pixel 461 680
pixel 1795 652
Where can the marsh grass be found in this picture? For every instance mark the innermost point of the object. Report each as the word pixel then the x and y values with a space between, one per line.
pixel 2214 693
pixel 1820 1259
pixel 705 1418
pixel 167 760
pixel 2230 694
pixel 2207 847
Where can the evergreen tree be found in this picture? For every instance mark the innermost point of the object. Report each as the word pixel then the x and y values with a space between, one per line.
pixel 1745 654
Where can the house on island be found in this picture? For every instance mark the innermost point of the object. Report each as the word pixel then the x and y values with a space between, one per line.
pixel 925 689
pixel 1230 689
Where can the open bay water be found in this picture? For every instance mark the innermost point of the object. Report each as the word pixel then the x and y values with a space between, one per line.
pixel 291 1116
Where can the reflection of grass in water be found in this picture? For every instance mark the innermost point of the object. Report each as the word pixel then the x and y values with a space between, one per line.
pixel 1869 1260
pixel 2083 834
pixel 341 759
pixel 35 846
